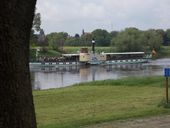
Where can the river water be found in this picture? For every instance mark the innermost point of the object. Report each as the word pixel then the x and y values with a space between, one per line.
pixel 48 78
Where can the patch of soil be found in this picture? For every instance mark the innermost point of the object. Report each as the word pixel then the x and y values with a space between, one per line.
pixel 151 122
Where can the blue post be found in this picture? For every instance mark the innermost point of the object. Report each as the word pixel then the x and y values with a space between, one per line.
pixel 167 74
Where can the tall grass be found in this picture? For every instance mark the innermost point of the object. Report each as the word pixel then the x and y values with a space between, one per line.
pixel 49 53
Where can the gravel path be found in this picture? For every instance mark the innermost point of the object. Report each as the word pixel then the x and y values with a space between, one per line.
pixel 152 122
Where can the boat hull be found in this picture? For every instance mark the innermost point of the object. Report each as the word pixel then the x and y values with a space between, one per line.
pixel 108 62
pixel 128 61
pixel 53 64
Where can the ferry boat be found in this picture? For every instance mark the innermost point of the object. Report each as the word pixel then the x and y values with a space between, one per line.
pixel 92 58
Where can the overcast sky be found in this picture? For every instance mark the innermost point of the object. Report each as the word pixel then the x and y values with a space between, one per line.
pixel 74 15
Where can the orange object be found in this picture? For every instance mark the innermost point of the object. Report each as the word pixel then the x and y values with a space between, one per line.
pixel 154 52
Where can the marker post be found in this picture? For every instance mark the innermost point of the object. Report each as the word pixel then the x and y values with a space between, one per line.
pixel 166 74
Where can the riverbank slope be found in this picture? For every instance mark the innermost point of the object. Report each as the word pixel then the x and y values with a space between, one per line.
pixel 100 101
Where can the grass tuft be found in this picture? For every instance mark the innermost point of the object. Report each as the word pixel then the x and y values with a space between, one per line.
pixel 163 103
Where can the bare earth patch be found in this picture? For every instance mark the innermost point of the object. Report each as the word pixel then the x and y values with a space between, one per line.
pixel 151 122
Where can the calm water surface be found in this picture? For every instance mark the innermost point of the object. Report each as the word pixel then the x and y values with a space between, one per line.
pixel 66 76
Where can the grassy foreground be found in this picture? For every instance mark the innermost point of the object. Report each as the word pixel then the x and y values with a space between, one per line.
pixel 99 101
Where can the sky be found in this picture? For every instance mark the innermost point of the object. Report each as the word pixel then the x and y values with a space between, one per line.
pixel 72 16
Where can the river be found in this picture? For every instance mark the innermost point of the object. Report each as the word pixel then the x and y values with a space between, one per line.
pixel 48 78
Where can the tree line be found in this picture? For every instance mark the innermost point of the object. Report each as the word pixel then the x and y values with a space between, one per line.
pixel 128 40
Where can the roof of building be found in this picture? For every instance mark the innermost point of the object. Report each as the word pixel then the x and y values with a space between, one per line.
pixel 69 55
pixel 123 53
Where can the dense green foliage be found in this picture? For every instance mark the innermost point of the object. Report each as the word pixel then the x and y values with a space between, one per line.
pixel 37 35
pixel 35 28
pixel 164 52
pixel 41 52
pixel 32 55
pixel 56 40
pixel 134 40
pixel 73 41
pixel 166 35
pixel 99 101
pixel 153 39
pixel 101 37
pixel 130 40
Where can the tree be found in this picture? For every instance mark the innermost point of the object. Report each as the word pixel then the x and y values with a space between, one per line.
pixel 113 34
pixel 72 41
pixel 154 40
pixel 129 40
pixel 56 40
pixel 162 33
pixel 42 40
pixel 102 37
pixel 86 39
pixel 36 26
pixel 16 100
pixel 33 38
pixel 77 35
pixel 37 22
pixel 167 37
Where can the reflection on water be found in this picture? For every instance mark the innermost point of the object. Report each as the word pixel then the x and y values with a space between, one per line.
pixel 45 78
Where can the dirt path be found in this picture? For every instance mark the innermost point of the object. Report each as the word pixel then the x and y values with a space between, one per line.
pixel 152 122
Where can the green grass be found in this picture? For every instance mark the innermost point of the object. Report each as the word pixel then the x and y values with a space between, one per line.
pixel 100 101
pixel 49 53
pixel 98 49
pixel 43 53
